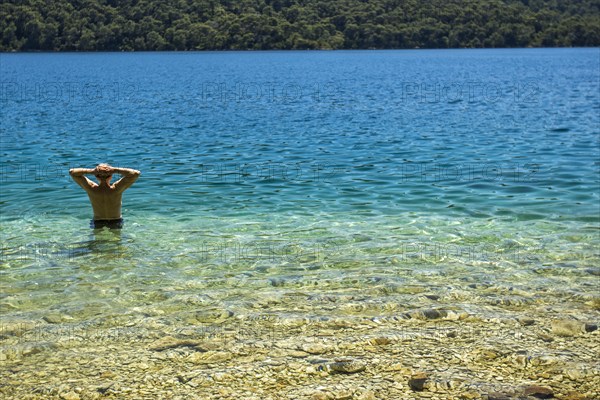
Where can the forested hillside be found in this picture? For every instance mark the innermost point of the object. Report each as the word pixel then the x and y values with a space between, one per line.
pixel 61 25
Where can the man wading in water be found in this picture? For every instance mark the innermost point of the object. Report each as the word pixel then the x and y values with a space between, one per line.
pixel 105 198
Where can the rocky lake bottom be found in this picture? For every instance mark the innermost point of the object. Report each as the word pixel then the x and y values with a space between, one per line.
pixel 436 336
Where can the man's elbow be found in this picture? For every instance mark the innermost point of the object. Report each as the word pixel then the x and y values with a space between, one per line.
pixel 134 175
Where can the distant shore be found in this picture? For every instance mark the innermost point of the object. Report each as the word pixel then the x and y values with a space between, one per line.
pixel 294 25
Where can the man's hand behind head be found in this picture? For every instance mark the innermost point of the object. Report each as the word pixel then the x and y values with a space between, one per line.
pixel 103 170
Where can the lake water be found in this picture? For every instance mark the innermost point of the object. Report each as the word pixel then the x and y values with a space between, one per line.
pixel 271 180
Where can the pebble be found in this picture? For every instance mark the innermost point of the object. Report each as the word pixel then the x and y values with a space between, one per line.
pixel 470 396
pixel 574 374
pixel 104 387
pixel 8 306
pixel 277 282
pixel 343 395
pixel 380 341
pixel 368 395
pixel 220 377
pixel 69 396
pixel 546 338
pixel 319 396
pixel 298 354
pixel 213 316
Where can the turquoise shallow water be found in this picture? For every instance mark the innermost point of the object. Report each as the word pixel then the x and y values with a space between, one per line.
pixel 268 174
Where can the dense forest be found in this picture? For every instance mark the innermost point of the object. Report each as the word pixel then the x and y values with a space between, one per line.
pixel 90 25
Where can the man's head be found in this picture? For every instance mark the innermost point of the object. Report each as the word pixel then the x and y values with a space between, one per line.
pixel 103 172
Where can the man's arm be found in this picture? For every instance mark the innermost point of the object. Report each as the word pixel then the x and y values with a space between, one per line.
pixel 129 177
pixel 78 176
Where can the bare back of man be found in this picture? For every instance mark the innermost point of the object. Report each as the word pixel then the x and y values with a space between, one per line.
pixel 106 198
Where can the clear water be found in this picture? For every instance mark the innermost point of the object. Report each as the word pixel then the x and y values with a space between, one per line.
pixel 285 176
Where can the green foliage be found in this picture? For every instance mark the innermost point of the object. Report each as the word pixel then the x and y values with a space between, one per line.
pixel 96 25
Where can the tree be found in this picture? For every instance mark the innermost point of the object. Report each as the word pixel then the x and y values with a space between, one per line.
pixel 294 24
pixel 154 41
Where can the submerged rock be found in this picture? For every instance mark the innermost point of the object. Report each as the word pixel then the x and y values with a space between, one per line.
pixel 209 357
pixel 498 396
pixel 593 271
pixel 428 313
pixel 539 392
pixel 436 313
pixel 575 396
pixel 56 318
pixel 169 342
pixel 571 327
pixel 417 381
pixel 347 366
pixel 69 396
pixel 526 321
pixel 315 348
pixel 381 340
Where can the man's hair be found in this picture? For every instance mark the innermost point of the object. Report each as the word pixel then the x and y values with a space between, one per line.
pixel 103 170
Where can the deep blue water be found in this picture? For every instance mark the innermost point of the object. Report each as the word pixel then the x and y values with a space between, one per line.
pixel 296 165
